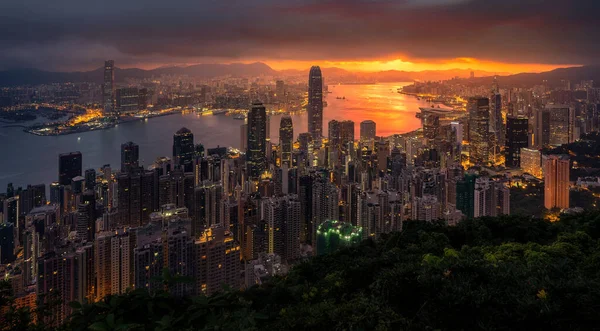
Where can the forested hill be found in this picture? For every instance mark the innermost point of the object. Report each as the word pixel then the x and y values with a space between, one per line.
pixel 507 273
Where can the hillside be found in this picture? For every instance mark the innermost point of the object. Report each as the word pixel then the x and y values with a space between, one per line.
pixel 507 273
pixel 332 74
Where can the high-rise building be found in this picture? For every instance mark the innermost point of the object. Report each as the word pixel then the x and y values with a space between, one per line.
pixel 324 205
pixel 315 103
pixel 136 197
pixel 368 130
pixel 496 118
pixel 256 154
pixel 69 166
pixel 531 162
pixel 33 196
pixel 7 243
pixel 491 198
pixel 127 99
pixel 286 140
pixel 556 181
pixel 479 137
pixel 465 195
pixel 517 129
pixel 340 134
pixel 542 128
pixel 561 123
pixel 217 261
pixel 183 149
pixel 108 88
pixel 130 155
pixel 180 256
pixel 244 137
pixel 283 219
pixel 426 208
pixel 208 207
pixel 333 235
pixel 90 179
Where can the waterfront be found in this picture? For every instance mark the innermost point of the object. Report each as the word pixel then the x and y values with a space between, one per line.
pixel 30 159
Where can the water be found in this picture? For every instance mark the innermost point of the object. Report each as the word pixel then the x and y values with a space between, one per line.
pixel 29 159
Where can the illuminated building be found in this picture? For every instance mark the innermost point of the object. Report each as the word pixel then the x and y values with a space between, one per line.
pixel 333 235
pixel 179 257
pixel 244 137
pixel 315 104
pixel 556 181
pixel 383 151
pixel 130 155
pixel 324 204
pixel 542 128
pixel 217 258
pixel 531 160
pixel 136 198
pixel 286 139
pixel 496 116
pixel 57 274
pixel 561 124
pixel 69 166
pixel 516 138
pixel 208 207
pixel 108 88
pixel 430 122
pixel 368 131
pixel 479 136
pixel 283 220
pixel 32 197
pixel 11 210
pixel 183 149
pixel 128 99
pixel 256 154
pixel 112 258
pixel 86 217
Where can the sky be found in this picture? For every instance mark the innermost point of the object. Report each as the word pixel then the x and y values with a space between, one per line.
pixel 362 35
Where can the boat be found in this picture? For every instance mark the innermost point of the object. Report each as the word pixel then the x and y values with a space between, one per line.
pixel 220 111
pixel 239 117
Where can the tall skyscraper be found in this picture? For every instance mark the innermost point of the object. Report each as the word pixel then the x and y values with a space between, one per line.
pixel 465 195
pixel 542 128
pixel 257 140
pixel 108 88
pixel 69 166
pixel 491 198
pixel 479 137
pixel 561 124
pixel 496 117
pixel 556 181
pixel 340 134
pixel 516 138
pixel 130 154
pixel 286 139
pixel 183 149
pixel 315 103
pixel 368 130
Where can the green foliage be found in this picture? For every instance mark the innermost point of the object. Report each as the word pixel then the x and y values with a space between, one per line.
pixel 506 273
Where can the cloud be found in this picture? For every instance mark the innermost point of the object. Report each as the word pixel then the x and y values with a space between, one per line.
pixel 79 34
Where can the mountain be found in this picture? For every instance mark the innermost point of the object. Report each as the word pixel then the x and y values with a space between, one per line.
pixel 36 76
pixel 331 74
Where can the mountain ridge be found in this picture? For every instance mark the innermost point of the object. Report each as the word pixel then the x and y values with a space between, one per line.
pixel 32 76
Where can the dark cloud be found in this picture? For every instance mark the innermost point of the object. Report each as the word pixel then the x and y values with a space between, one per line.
pixel 67 34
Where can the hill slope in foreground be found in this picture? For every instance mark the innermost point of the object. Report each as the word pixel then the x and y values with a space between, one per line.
pixel 506 273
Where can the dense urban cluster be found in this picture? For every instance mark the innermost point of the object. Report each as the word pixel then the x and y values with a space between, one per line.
pixel 214 217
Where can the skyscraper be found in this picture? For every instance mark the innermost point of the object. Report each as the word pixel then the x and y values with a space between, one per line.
pixel 69 166
pixel 183 149
pixel 479 137
pixel 315 103
pixel 531 160
pixel 465 195
pixel 286 139
pixel 561 124
pixel 556 181
pixel 496 117
pixel 516 139
pixel 108 88
pixel 368 130
pixel 217 261
pixel 542 128
pixel 130 154
pixel 257 140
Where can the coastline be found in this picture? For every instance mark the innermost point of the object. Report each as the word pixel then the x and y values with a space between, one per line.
pixel 85 128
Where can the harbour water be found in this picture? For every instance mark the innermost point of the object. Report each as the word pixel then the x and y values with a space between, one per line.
pixel 29 159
